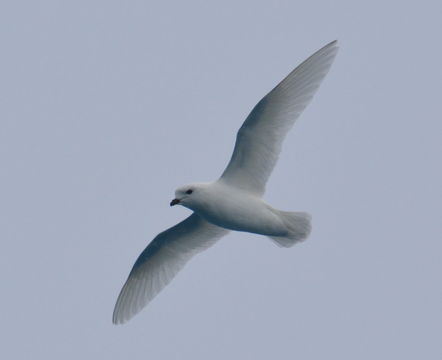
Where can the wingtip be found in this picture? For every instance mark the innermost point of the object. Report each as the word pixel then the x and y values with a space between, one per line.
pixel 118 319
pixel 332 44
pixel 120 316
pixel 331 48
pixel 115 320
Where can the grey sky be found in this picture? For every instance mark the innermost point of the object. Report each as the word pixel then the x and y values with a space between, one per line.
pixel 105 108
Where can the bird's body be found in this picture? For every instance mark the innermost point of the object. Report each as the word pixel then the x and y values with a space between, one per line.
pixel 233 202
pixel 235 209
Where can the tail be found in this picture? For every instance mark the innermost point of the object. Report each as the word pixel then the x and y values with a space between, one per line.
pixel 298 226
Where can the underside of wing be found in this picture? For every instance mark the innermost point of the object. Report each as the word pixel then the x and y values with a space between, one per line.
pixel 259 140
pixel 163 258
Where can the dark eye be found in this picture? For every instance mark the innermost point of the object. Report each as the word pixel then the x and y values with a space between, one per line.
pixel 190 191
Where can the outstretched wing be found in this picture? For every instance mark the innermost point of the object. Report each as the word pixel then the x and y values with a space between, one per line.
pixel 163 258
pixel 259 140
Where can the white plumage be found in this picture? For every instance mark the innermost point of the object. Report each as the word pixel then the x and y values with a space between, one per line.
pixel 233 202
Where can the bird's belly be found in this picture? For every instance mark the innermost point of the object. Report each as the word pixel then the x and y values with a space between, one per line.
pixel 249 217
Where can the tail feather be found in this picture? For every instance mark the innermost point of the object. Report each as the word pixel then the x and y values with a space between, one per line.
pixel 298 226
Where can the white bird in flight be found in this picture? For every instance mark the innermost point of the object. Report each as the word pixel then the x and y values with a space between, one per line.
pixel 234 201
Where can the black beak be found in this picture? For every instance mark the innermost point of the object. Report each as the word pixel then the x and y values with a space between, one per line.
pixel 174 202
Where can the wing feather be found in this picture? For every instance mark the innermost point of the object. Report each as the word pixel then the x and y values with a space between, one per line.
pixel 162 259
pixel 259 140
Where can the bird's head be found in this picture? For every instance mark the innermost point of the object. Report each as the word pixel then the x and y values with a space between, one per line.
pixel 189 196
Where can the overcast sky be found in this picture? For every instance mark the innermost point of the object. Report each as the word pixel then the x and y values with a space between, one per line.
pixel 107 106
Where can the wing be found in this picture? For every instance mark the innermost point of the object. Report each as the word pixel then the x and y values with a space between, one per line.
pixel 160 262
pixel 259 140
